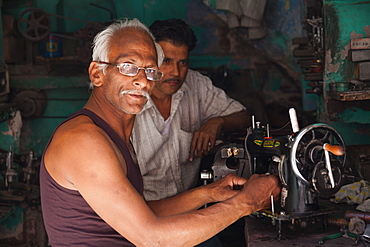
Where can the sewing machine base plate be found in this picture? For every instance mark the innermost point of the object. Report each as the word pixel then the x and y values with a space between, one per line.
pixel 267 229
pixel 261 233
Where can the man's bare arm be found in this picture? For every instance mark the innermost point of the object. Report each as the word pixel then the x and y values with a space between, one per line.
pixel 235 121
pixel 193 199
pixel 205 137
pixel 129 215
pixel 94 166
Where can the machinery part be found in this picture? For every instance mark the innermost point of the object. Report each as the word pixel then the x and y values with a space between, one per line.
pixel 307 152
pixel 29 169
pixel 10 171
pixel 84 53
pixel 359 55
pixel 342 232
pixel 337 221
pixel 334 149
pixel 34 24
pixel 366 236
pixel 88 32
pixel 293 120
pixel 363 215
pixel 206 175
pixel 322 180
pixel 282 173
pixel 230 159
pixel 363 71
pixel 328 167
pixel 4 85
pixel 31 103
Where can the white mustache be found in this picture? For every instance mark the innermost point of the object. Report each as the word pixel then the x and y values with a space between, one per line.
pixel 143 93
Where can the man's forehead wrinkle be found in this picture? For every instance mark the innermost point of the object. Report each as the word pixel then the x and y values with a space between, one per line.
pixel 130 56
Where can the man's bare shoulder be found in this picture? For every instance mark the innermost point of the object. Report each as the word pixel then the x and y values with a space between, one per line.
pixel 78 131
pixel 77 145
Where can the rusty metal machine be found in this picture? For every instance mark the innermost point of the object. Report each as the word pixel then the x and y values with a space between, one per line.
pixel 309 162
pixel 20 212
pixel 334 57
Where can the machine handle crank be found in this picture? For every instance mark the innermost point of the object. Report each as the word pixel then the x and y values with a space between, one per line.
pixel 328 167
pixel 334 149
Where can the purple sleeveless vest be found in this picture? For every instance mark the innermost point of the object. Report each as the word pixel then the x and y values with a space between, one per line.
pixel 68 219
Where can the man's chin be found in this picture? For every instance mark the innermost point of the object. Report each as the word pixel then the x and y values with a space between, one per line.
pixel 132 113
pixel 134 110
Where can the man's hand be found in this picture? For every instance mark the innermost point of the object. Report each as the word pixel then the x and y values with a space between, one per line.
pixel 225 188
pixel 258 191
pixel 205 137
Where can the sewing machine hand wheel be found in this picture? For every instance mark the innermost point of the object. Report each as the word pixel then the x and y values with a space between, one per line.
pixel 34 24
pixel 317 156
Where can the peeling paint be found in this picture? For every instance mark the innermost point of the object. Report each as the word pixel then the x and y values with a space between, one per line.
pixel 329 67
pixel 355 35
pixel 367 31
pixel 14 125
pixel 344 53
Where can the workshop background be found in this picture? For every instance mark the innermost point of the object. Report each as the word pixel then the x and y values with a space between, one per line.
pixel 271 55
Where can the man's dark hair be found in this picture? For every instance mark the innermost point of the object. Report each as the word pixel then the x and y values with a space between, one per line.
pixel 175 31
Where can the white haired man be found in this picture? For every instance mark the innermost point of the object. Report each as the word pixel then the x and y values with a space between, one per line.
pixel 91 186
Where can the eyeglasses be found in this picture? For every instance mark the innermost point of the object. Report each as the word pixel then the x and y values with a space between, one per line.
pixel 130 69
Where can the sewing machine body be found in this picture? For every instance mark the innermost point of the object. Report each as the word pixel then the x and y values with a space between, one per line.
pixel 309 163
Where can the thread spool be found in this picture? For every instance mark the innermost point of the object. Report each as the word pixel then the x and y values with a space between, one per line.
pixel 293 120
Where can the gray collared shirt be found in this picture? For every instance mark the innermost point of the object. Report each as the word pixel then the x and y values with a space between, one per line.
pixel 163 155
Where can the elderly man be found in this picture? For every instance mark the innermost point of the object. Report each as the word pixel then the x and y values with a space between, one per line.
pixel 181 122
pixel 91 186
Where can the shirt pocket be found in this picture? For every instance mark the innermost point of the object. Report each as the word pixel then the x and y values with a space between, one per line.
pixel 184 142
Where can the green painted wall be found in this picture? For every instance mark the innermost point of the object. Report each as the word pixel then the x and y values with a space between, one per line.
pixel 265 71
pixel 344 20
pixel 255 64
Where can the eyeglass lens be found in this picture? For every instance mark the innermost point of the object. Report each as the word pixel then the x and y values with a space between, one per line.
pixel 132 70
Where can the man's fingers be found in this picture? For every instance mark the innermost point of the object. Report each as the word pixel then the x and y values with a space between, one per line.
pixel 192 147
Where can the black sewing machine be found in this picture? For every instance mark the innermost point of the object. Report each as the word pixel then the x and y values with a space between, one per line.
pixel 309 163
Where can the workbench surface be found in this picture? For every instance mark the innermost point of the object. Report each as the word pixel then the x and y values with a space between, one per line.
pixel 260 231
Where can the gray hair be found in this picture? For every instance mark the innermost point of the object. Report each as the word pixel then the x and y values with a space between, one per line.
pixel 101 40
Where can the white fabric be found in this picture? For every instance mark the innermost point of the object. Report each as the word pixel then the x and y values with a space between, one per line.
pixel 365 206
pixel 253 9
pixel 167 124
pixel 355 193
pixel 231 5
pixel 245 13
pixel 164 159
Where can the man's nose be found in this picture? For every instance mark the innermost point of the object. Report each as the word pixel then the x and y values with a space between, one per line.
pixel 175 70
pixel 141 81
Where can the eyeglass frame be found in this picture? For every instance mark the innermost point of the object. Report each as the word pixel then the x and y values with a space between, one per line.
pixel 139 68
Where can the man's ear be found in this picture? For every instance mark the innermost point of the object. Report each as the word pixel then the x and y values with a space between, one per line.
pixel 96 74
